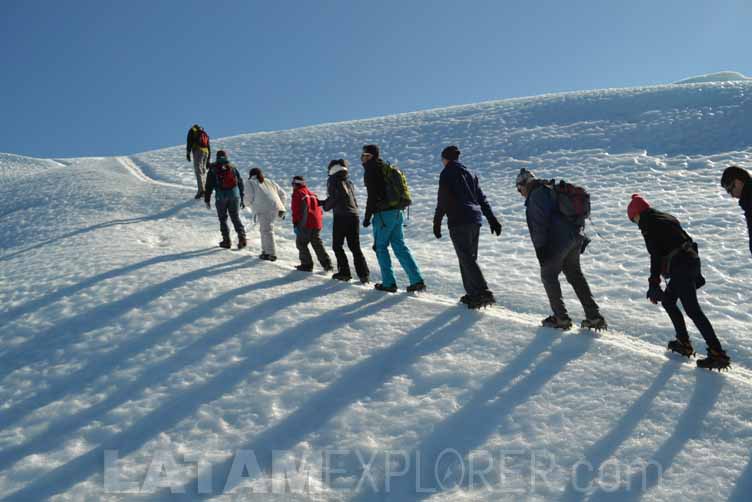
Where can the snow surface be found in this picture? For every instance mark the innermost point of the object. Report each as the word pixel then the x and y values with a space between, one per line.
pixel 127 334
pixel 721 76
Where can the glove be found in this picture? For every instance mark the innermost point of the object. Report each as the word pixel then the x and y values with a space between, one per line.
pixel 495 226
pixel 585 243
pixel 281 214
pixel 655 293
pixel 367 222
pixel 540 253
pixel 437 230
pixel 208 205
pixel 188 156
pixel 242 205
pixel 297 231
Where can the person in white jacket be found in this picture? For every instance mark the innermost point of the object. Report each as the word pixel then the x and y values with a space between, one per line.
pixel 267 201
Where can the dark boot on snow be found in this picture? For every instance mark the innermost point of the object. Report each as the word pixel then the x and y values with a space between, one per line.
pixel 552 321
pixel 716 360
pixel 364 279
pixel 341 276
pixel 683 347
pixel 242 243
pixel 595 323
pixel 304 268
pixel 225 243
pixel 388 289
pixel 476 302
pixel 418 286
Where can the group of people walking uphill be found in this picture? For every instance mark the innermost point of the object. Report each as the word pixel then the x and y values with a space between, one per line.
pixel 555 214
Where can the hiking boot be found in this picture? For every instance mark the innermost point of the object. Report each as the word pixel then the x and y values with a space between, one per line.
pixel 364 279
pixel 304 268
pixel 242 243
pixel 263 256
pixel 465 299
pixel 341 276
pixel 595 323
pixel 328 267
pixel 199 195
pixel 418 286
pixel 485 299
pixel 683 347
pixel 388 289
pixel 716 360
pixel 563 323
pixel 271 257
pixel 225 243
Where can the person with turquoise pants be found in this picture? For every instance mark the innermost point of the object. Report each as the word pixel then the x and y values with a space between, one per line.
pixel 387 226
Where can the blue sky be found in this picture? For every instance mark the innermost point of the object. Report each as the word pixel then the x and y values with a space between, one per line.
pixel 118 77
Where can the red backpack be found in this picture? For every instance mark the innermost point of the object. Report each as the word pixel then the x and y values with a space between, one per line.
pixel 203 139
pixel 226 179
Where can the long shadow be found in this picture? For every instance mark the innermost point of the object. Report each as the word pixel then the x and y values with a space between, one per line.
pixel 69 331
pixel 33 305
pixel 707 389
pixel 357 382
pixel 257 356
pixel 743 489
pixel 106 363
pixel 50 438
pixel 601 450
pixel 480 417
pixel 167 213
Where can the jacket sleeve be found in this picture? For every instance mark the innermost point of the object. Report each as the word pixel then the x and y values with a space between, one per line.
pixel 374 183
pixel 656 260
pixel 189 141
pixel 442 199
pixel 539 217
pixel 241 183
pixel 209 187
pixel 748 215
pixel 485 207
pixel 281 193
pixel 251 193
pixel 304 209
pixel 331 195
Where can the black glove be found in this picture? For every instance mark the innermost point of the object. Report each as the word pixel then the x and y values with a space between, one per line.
pixel 367 222
pixel 242 204
pixel 188 156
pixel 281 214
pixel 655 293
pixel 585 242
pixel 540 253
pixel 208 204
pixel 495 226
pixel 437 230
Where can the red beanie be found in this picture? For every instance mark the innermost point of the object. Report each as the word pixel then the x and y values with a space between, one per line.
pixel 636 206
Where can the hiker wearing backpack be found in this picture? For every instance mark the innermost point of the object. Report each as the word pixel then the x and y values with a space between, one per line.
pixel 388 195
pixel 556 216
pixel 675 256
pixel 267 201
pixel 462 200
pixel 738 184
pixel 307 221
pixel 225 179
pixel 198 145
pixel 346 226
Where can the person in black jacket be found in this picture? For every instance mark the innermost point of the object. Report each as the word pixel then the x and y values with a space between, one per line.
pixel 225 179
pixel 738 184
pixel 201 155
pixel 346 226
pixel 675 256
pixel 461 199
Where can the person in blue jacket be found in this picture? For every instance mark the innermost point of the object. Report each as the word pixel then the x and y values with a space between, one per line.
pixel 558 244
pixel 461 199
pixel 225 179
pixel 738 184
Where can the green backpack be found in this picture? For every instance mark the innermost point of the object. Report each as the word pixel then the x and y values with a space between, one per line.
pixel 397 191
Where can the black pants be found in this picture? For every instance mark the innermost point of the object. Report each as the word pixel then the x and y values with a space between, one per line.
pixel 465 240
pixel 347 227
pixel 231 206
pixel 685 271
pixel 311 236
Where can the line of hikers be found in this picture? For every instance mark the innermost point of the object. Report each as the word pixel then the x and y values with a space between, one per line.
pixel 556 214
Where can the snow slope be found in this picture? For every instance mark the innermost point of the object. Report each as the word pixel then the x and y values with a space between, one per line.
pixel 127 334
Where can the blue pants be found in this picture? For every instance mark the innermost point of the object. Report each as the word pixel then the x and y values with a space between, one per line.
pixel 387 230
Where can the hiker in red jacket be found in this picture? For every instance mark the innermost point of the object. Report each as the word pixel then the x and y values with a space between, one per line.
pixel 307 220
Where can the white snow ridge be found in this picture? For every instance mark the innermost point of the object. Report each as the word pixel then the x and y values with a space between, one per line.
pixel 141 362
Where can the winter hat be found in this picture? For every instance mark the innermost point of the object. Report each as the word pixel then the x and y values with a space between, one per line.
pixel 450 153
pixel 221 156
pixel 336 166
pixel 373 150
pixel 636 206
pixel 298 181
pixel 524 177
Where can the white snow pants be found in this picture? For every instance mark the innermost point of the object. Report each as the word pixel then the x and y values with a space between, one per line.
pixel 266 230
